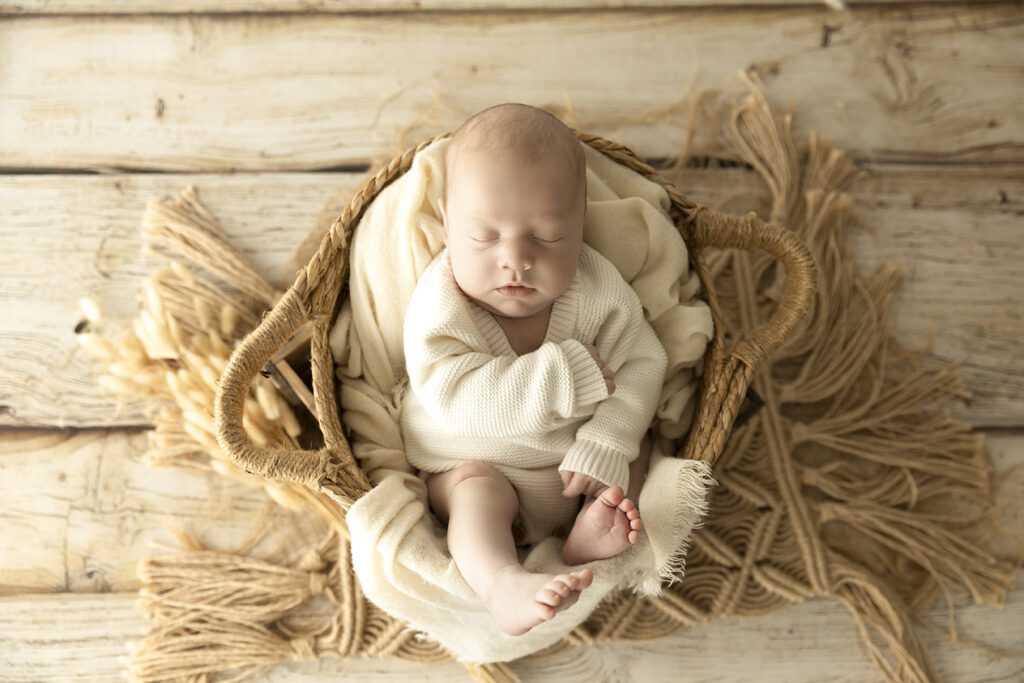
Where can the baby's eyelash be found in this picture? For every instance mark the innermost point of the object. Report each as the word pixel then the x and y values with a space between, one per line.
pixel 491 239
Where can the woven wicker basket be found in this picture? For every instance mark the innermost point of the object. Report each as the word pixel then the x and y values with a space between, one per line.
pixel 315 297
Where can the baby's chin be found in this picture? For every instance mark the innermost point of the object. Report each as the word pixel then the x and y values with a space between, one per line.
pixel 514 308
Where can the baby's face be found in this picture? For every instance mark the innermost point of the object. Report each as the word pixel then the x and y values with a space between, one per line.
pixel 514 232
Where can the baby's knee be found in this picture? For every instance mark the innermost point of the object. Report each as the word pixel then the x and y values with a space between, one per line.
pixel 472 477
pixel 480 474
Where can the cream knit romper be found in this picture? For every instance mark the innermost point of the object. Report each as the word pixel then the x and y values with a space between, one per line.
pixel 472 398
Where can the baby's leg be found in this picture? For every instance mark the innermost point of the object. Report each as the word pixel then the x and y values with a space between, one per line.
pixel 609 522
pixel 479 504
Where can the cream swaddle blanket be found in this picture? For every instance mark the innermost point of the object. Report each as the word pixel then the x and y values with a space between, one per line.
pixel 399 551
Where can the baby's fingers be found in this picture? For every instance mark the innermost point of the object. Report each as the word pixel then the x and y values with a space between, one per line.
pixel 571 484
pixel 609 379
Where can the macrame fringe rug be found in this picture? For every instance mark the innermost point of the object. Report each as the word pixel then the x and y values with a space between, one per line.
pixel 848 482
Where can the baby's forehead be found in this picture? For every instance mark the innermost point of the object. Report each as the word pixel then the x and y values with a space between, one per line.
pixel 468 160
pixel 522 139
pixel 530 142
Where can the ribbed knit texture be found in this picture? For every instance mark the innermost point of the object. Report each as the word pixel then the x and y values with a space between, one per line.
pixel 473 398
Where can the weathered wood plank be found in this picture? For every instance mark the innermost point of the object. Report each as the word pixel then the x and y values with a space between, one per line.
pixel 107 503
pixel 82 232
pixel 47 637
pixel 954 230
pixel 301 92
pixel 82 508
pixel 947 244
pixel 339 6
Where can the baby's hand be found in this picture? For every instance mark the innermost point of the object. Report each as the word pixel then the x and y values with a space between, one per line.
pixel 609 374
pixel 575 483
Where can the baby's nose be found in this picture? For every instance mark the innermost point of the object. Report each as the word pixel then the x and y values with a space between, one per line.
pixel 516 258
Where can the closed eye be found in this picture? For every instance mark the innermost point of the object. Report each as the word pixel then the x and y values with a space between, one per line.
pixel 539 239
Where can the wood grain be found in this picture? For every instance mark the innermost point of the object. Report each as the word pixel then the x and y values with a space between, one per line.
pixel 47 637
pixel 955 232
pixel 911 83
pixel 925 94
pixel 81 508
pixel 232 6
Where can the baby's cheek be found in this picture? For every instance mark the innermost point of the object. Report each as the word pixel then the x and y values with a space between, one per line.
pixel 470 272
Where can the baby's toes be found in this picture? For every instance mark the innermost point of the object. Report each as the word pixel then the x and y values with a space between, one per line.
pixel 570 581
pixel 627 506
pixel 613 496
pixel 583 578
pixel 550 595
pixel 636 523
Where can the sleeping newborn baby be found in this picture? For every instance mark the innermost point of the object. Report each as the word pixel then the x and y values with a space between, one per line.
pixel 533 374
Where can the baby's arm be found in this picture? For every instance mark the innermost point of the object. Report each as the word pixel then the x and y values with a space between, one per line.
pixel 467 390
pixel 610 440
pixel 472 393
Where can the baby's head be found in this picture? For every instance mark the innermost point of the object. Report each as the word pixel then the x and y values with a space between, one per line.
pixel 513 208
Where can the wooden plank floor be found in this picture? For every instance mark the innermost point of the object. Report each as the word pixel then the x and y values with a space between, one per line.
pixel 269 111
pixel 917 83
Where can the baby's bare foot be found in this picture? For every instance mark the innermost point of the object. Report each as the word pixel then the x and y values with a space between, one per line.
pixel 519 600
pixel 607 527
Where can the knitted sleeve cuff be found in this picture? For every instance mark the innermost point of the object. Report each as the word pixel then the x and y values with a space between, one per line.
pixel 588 382
pixel 608 466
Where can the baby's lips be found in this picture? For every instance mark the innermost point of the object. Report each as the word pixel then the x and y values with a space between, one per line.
pixel 521 290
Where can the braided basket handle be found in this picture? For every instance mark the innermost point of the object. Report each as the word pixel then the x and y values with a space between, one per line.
pixel 249 357
pixel 728 376
pixel 713 229
pixel 705 227
pixel 331 469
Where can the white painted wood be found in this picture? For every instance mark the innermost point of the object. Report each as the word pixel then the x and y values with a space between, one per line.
pixel 928 83
pixel 70 237
pixel 230 6
pixel 302 92
pixel 955 231
pixel 48 638
pixel 80 510
pixel 949 237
